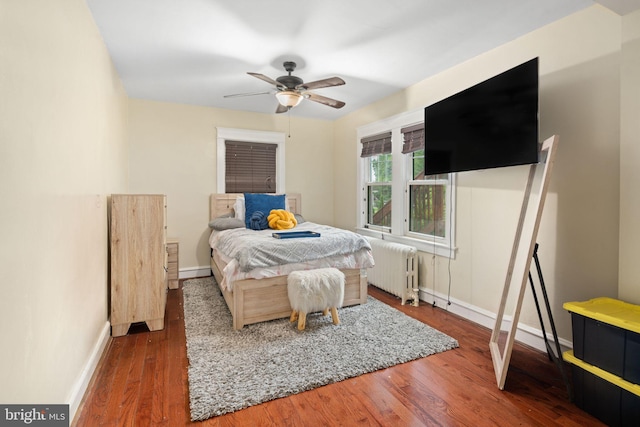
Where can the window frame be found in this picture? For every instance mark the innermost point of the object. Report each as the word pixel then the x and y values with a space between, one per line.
pixel 399 231
pixel 376 227
pixel 370 184
pixel 265 137
pixel 441 241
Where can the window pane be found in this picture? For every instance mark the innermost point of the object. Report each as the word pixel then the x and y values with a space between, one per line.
pixel 380 168
pixel 379 209
pixel 417 163
pixel 428 209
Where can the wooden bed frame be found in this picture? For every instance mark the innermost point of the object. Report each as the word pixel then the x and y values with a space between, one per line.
pixel 259 300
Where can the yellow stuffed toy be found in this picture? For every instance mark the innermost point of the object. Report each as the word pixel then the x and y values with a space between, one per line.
pixel 280 219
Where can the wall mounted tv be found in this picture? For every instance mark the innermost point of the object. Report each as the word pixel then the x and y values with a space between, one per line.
pixel 492 124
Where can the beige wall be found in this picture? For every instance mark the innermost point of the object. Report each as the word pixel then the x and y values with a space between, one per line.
pixel 580 101
pixel 62 149
pixel 173 151
pixel 629 288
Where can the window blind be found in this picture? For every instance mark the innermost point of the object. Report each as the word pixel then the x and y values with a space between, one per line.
pixel 376 144
pixel 413 138
pixel 250 167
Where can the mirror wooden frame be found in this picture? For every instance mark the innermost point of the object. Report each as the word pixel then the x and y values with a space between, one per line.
pixel 520 271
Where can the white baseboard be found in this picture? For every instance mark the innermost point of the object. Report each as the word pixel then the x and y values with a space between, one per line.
pixel 80 388
pixel 524 334
pixel 191 272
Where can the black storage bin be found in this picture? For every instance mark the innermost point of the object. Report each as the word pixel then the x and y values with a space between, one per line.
pixel 632 358
pixel 598 343
pixel 604 395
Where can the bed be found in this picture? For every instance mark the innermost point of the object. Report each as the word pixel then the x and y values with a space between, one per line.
pixel 257 297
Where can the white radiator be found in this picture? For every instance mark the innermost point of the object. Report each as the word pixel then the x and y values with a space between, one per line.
pixel 396 269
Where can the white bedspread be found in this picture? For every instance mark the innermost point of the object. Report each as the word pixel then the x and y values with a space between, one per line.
pixel 257 254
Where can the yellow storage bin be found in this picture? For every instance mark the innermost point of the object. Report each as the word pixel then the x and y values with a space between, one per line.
pixel 606 334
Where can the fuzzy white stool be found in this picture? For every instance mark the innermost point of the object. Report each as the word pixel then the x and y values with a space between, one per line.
pixel 315 290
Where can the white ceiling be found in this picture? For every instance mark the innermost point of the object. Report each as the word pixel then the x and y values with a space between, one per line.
pixel 197 51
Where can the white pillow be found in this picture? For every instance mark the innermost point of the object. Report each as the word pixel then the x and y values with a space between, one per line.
pixel 239 209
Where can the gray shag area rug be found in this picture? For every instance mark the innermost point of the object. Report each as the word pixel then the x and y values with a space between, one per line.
pixel 231 370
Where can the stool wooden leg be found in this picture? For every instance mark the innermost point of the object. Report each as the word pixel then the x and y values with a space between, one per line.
pixel 302 320
pixel 334 316
pixel 325 311
pixel 294 316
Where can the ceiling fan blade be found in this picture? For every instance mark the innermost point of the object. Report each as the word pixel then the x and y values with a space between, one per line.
pixel 235 95
pixel 266 79
pixel 330 82
pixel 281 109
pixel 324 100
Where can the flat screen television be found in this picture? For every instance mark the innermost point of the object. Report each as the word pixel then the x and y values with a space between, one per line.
pixel 492 124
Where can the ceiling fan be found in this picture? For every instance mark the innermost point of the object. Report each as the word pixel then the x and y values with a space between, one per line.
pixel 291 90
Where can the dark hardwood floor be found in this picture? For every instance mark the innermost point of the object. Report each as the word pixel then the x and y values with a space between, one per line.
pixel 142 381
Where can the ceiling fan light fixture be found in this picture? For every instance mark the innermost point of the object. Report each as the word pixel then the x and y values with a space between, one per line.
pixel 289 98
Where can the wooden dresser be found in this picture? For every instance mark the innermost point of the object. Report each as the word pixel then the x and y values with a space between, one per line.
pixel 138 261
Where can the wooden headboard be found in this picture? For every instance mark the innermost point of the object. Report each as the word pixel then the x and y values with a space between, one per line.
pixel 221 204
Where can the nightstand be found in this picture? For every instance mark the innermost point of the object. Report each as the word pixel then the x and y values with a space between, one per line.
pixel 172 263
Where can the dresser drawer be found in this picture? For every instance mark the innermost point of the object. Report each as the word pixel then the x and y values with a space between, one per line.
pixel 172 270
pixel 172 252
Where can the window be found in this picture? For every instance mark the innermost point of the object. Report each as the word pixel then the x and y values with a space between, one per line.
pixel 377 149
pixel 427 200
pixel 250 167
pixel 250 161
pixel 398 199
pixel 427 193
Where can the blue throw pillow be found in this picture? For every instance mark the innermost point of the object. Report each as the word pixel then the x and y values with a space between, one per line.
pixel 254 202
pixel 259 221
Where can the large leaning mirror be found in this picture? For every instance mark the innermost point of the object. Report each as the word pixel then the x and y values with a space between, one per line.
pixel 506 325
